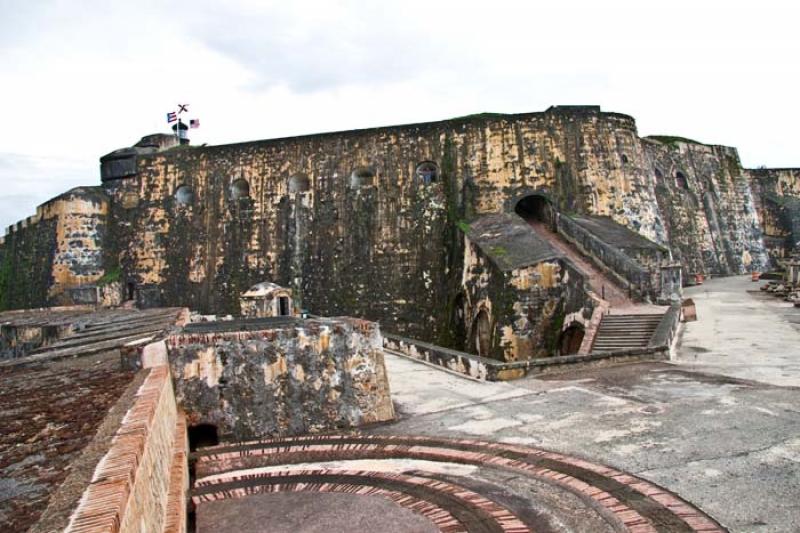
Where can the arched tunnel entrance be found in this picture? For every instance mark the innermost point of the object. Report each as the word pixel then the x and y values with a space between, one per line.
pixel 535 208
pixel 571 339
pixel 202 435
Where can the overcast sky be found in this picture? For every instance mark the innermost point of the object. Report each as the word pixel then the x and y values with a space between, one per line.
pixel 81 78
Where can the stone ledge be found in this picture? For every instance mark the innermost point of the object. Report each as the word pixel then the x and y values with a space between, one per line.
pixel 485 369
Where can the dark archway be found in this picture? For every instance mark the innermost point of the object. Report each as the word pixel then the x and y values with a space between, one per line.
pixel 240 189
pixel 202 435
pixel 482 334
pixel 680 181
pixel 458 321
pixel 298 183
pixel 571 339
pixel 283 306
pixel 535 208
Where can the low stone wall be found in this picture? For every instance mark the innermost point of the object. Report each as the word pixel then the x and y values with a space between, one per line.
pixel 280 376
pixel 665 334
pixel 610 259
pixel 17 341
pixel 485 369
pixel 140 483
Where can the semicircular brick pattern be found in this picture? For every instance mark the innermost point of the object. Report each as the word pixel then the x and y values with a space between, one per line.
pixel 457 484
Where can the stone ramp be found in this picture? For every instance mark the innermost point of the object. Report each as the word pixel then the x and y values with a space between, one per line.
pixel 458 485
pixel 625 332
pixel 600 283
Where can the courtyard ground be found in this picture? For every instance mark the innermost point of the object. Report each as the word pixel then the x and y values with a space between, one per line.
pixel 719 425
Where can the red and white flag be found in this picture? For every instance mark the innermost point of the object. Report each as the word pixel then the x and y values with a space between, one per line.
pixel 172 116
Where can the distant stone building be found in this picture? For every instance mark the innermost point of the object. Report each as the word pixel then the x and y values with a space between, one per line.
pixel 266 300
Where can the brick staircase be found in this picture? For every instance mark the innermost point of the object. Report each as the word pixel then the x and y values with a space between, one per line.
pixel 625 332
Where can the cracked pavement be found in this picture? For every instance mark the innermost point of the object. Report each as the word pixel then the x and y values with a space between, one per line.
pixel 719 425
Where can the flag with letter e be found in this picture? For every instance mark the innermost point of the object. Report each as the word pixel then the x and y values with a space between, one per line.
pixel 172 117
pixel 194 123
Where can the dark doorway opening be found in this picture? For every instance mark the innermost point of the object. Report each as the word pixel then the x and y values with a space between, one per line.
pixel 202 435
pixel 131 291
pixel 283 306
pixel 458 322
pixel 482 334
pixel 571 340
pixel 535 208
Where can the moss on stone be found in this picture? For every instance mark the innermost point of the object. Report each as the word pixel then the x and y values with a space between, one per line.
pixel 111 275
pixel 672 140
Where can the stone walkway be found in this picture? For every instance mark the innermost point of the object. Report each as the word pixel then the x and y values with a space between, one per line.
pixel 742 333
pixel 716 429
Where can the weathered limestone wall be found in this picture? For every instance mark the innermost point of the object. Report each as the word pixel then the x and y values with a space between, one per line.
pixel 134 485
pixel 384 248
pixel 59 248
pixel 708 207
pixel 777 198
pixel 369 250
pixel 519 314
pixel 293 378
pixel 345 221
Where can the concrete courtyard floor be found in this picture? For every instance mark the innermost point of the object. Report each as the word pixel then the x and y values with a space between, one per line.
pixel 719 425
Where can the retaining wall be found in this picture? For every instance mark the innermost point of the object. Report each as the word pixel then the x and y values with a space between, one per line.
pixel 481 368
pixel 140 484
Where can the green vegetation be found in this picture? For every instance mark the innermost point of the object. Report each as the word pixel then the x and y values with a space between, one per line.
pixel 179 147
pixel 498 251
pixel 672 140
pixel 482 116
pixel 463 225
pixel 5 279
pixel 112 274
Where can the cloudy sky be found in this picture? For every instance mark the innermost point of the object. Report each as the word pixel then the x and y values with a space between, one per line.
pixel 81 78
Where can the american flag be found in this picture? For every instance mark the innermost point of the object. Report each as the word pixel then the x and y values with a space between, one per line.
pixel 194 123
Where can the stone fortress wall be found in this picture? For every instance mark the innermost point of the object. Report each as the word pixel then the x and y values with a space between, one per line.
pixel 60 247
pixel 346 221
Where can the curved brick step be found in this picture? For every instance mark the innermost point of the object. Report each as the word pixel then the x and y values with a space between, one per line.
pixel 451 507
pixel 622 501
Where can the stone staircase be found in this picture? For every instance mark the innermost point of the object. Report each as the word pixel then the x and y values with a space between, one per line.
pixel 625 332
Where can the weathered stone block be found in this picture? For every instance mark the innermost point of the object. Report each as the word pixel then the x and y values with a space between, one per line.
pixel 280 376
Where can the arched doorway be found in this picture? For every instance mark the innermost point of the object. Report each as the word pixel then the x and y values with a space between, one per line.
pixel 283 306
pixel 482 334
pixel 535 208
pixel 571 339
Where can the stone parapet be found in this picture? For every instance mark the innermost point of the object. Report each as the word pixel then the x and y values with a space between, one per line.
pixel 281 376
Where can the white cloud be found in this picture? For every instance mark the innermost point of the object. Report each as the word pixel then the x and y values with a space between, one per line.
pixel 82 78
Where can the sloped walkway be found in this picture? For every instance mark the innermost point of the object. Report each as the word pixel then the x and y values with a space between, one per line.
pixel 602 285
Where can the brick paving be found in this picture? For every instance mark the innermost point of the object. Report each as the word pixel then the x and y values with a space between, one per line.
pixel 48 415
pixel 625 502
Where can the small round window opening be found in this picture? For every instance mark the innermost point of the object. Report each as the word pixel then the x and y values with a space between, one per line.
pixel 184 195
pixel 362 177
pixel 427 172
pixel 298 183
pixel 624 159
pixel 240 189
